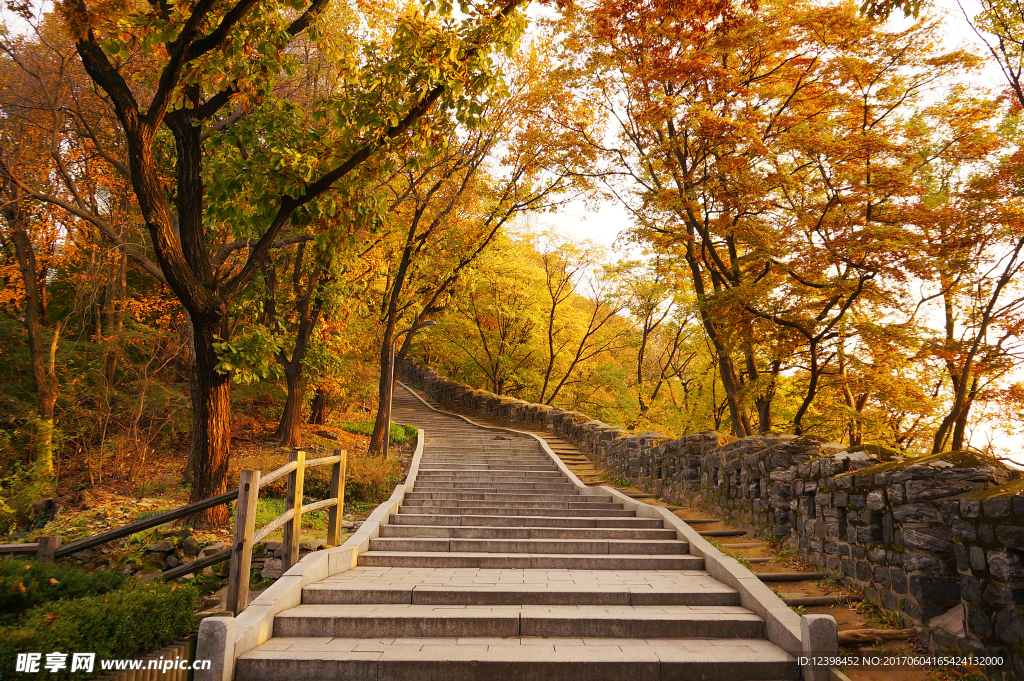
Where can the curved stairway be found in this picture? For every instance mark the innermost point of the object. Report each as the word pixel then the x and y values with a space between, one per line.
pixel 495 567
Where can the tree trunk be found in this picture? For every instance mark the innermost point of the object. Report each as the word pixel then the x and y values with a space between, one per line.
pixel 380 425
pixel 318 409
pixel 211 426
pixel 114 312
pixel 42 370
pixel 289 430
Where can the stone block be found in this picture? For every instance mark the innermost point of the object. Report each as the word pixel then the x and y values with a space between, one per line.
pixel 876 500
pixel 979 623
pixel 997 507
pixel 216 642
pixel 923 490
pixel 898 580
pixel 937 538
pixel 916 513
pixel 1009 626
pixel 985 533
pixel 963 560
pixel 977 559
pixel 923 588
pixel 970 508
pixel 970 588
pixel 963 530
pixel 818 638
pixel 1011 536
pixel 1005 565
pixel 915 472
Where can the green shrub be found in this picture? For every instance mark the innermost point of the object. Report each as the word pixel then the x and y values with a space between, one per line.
pixel 136 619
pixel 28 583
pixel 371 479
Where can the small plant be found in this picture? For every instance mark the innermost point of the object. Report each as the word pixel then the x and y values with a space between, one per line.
pixel 616 480
pixel 879 617
pixel 830 584
pixel 799 609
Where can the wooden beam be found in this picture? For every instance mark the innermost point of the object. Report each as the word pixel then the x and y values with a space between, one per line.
pixel 293 501
pixel 336 514
pixel 241 550
pixel 141 525
pixel 19 548
pixel 47 549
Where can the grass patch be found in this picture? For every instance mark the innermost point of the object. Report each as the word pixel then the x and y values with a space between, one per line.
pixel 268 509
pixel 616 480
pixel 400 434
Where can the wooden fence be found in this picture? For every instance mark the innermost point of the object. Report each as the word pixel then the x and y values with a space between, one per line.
pixel 246 536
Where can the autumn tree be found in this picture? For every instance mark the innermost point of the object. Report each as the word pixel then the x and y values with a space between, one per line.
pixel 580 313
pixel 203 82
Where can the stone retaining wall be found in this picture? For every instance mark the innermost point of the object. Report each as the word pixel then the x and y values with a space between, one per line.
pixel 938 539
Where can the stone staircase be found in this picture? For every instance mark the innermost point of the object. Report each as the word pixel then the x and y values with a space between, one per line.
pixel 496 567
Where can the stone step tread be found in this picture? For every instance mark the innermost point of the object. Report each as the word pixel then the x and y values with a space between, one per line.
pixel 638 612
pixel 461 495
pixel 578 502
pixel 697 591
pixel 488 532
pixel 522 658
pixel 524 561
pixel 589 547
pixel 592 621
pixel 517 511
pixel 492 520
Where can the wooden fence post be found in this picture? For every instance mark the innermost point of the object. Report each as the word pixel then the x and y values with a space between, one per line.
pixel 241 550
pixel 47 547
pixel 337 512
pixel 293 499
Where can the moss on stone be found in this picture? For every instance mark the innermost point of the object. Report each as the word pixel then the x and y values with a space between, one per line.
pixel 1007 490
pixel 959 459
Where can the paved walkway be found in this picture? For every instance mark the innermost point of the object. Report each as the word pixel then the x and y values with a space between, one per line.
pixel 496 567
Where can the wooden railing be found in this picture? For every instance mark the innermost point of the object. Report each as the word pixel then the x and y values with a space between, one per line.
pixel 48 549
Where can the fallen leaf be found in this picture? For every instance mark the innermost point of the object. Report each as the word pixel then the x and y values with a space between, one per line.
pixel 54 581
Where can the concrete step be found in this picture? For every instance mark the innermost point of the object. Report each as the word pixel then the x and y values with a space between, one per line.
pixel 500 621
pixel 496 476
pixel 503 496
pixel 516 659
pixel 533 520
pixel 526 561
pixel 516 511
pixel 488 468
pixel 577 503
pixel 494 487
pixel 470 532
pixel 704 591
pixel 544 546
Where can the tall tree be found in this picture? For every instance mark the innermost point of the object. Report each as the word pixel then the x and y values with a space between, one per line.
pixel 205 83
